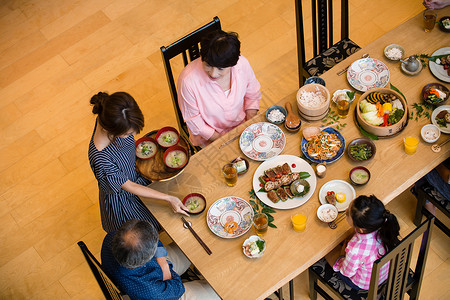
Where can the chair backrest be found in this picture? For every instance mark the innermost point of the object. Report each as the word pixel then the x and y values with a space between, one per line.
pixel 400 259
pixel 322 24
pixel 322 29
pixel 110 291
pixel 188 47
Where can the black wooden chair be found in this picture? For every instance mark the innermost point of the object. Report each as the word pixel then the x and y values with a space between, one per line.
pixel 401 278
pixel 109 289
pixel 188 48
pixel 426 192
pixel 326 52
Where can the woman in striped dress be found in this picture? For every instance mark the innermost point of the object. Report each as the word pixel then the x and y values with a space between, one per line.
pixel 112 159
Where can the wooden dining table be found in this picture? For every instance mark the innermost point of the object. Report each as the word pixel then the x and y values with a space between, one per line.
pixel 288 253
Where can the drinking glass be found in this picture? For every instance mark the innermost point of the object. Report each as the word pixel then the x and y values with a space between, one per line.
pixel 429 19
pixel 299 222
pixel 343 106
pixel 410 143
pixel 261 222
pixel 230 174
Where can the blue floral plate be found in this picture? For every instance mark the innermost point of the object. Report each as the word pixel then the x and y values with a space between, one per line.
pixel 339 153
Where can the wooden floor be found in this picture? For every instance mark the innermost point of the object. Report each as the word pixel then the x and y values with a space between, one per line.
pixel 54 55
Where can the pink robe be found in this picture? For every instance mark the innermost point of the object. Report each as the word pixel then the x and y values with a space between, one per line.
pixel 207 108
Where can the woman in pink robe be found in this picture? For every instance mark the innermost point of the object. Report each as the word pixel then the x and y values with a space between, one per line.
pixel 219 91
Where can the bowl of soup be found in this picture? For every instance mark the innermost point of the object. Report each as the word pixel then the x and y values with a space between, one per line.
pixel 146 147
pixel 359 175
pixel 195 202
pixel 167 137
pixel 176 157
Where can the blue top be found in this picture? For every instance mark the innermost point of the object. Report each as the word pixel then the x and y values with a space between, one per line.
pixel 144 282
pixel 112 167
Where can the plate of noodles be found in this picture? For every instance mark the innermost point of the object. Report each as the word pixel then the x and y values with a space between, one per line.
pixel 328 146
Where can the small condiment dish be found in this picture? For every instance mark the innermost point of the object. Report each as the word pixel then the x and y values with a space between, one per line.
pixel 239 168
pixel 337 93
pixel 359 175
pixel 430 133
pixel 315 79
pixel 327 213
pixel 250 240
pixel 393 46
pixel 280 109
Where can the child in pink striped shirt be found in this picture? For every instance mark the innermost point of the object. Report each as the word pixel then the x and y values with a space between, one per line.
pixel 376 232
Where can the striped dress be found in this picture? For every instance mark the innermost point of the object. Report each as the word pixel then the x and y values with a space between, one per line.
pixel 112 167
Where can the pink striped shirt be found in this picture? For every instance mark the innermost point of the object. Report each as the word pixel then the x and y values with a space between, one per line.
pixel 207 108
pixel 361 251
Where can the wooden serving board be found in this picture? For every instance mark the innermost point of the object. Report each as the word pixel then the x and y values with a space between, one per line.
pixel 154 168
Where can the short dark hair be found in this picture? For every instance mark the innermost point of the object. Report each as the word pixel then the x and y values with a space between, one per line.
pixel 220 49
pixel 135 243
pixel 117 113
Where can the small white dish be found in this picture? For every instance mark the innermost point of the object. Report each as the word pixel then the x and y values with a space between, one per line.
pixel 327 213
pixel 388 49
pixel 430 133
pixel 250 240
pixel 343 92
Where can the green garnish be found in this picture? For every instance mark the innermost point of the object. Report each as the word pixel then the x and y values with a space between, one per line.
pixel 361 151
pixel 260 245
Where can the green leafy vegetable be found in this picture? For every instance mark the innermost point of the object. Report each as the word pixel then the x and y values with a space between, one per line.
pixel 369 135
pixel 361 151
pixel 260 245
pixel 396 116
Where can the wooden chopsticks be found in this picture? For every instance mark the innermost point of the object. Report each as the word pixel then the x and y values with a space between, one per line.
pixel 188 225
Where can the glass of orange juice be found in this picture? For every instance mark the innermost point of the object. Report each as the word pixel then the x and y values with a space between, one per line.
pixel 299 222
pixel 410 143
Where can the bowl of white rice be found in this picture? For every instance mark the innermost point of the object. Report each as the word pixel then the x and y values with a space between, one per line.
pixel 327 213
pixel 276 114
pixel 394 52
pixel 313 101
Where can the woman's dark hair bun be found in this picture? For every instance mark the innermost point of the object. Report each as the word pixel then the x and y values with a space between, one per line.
pixel 97 102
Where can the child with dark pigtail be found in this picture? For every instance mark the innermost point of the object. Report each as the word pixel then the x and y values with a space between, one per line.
pixel 376 232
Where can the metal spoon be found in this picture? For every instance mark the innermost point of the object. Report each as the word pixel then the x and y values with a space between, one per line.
pixel 436 148
pixel 311 131
pixel 365 55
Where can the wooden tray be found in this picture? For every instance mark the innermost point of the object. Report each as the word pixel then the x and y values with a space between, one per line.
pixel 154 168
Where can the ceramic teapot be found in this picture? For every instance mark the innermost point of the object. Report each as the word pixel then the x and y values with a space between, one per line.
pixel 412 64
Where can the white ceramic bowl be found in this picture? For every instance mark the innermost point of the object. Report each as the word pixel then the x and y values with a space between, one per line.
pixel 323 208
pixel 339 92
pixel 392 46
pixel 254 238
pixel 430 133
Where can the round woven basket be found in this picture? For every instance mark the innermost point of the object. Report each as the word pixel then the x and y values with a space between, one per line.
pixel 313 113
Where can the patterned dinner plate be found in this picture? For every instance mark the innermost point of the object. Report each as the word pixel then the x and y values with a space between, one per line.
pixel 261 141
pixel 368 73
pixel 230 217
pixel 338 155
